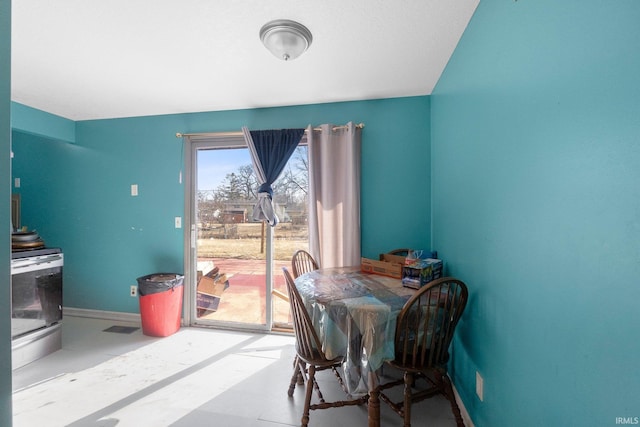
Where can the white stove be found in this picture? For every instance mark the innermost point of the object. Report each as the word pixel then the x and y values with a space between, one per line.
pixel 36 303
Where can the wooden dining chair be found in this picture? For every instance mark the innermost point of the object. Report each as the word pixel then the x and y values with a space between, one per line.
pixel 400 252
pixel 302 262
pixel 309 350
pixel 424 330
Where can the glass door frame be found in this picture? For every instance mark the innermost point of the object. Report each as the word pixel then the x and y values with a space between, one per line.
pixel 193 143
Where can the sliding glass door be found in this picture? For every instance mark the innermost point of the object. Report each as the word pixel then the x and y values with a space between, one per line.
pixel 234 264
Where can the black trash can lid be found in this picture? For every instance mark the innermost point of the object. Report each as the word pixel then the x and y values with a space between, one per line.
pixel 158 282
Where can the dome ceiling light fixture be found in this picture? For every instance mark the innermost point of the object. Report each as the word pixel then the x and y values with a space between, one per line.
pixel 285 39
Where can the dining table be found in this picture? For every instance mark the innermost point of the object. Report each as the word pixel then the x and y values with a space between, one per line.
pixel 355 314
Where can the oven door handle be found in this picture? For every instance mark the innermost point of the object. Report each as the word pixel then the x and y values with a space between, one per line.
pixel 57 259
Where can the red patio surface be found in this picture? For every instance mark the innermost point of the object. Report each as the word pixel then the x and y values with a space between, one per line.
pixel 244 300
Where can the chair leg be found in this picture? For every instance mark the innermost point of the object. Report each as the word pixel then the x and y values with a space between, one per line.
pixel 448 390
pixel 373 408
pixel 302 367
pixel 294 377
pixel 299 368
pixel 406 407
pixel 311 380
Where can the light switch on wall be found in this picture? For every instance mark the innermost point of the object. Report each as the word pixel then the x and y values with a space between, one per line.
pixel 17 183
pixel 178 222
pixel 134 189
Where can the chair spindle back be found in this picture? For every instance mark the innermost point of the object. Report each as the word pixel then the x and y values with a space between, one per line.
pixel 308 344
pixel 302 262
pixel 427 322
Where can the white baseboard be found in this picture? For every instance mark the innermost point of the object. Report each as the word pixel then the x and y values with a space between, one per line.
pixel 463 410
pixel 101 314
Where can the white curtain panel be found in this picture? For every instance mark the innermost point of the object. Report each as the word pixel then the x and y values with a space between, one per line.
pixel 334 194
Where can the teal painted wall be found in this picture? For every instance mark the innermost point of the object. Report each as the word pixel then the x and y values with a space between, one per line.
pixel 40 123
pixel 77 195
pixel 536 205
pixel 5 216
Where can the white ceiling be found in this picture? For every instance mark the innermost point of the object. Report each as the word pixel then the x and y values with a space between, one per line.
pixel 94 59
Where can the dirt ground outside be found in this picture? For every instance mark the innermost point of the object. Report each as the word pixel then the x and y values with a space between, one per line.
pixel 246 241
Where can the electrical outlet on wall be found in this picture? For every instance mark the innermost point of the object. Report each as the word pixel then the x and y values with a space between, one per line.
pixel 479 386
pixel 133 291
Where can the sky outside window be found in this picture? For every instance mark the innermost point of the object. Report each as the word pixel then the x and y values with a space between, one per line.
pixel 214 165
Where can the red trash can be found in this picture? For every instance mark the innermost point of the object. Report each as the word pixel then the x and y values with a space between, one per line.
pixel 160 297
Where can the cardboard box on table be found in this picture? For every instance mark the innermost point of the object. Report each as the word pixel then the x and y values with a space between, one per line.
pixel 402 259
pixel 384 268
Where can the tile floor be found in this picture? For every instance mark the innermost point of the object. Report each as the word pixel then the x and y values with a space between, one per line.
pixel 196 377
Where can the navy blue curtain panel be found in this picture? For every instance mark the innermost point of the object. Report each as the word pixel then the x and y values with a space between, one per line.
pixel 270 152
pixel 274 148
